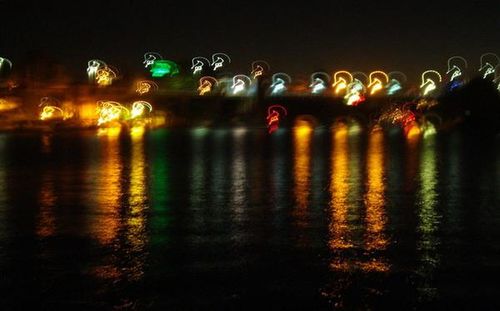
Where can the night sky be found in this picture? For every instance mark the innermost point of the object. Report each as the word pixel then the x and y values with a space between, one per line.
pixel 293 37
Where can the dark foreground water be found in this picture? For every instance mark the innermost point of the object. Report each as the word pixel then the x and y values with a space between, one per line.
pixel 238 219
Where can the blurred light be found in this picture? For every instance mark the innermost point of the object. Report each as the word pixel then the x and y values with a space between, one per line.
pixel 279 85
pixel 339 82
pixel 162 68
pixel 273 117
pixel 109 111
pixel 219 60
pixel 150 58
pixel 92 67
pixel 4 62
pixel 428 85
pixel 486 66
pixel 105 76
pixel 259 67
pixel 139 107
pixel 239 85
pixel 6 105
pixel 206 85
pixel 198 63
pixel 145 86
pixel 318 82
pixel 375 84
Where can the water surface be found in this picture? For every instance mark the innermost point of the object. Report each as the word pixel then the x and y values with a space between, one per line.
pixel 305 218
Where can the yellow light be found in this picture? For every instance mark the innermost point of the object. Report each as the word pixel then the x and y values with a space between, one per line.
pixel 414 131
pixel 375 84
pixel 302 128
pixel 110 111
pixel 139 107
pixel 143 88
pixel 105 76
pixel 339 83
pixel 375 215
pixel 339 190
pixel 302 133
pixel 205 87
pixel 6 105
pixel 50 112
pixel 137 131
pixel 109 131
pixel 428 85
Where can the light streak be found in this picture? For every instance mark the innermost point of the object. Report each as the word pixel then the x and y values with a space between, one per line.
pixel 428 85
pixel 145 86
pixel 428 127
pixel 490 69
pixel 206 84
pixel 3 62
pixel 280 81
pixel 397 73
pixel 497 75
pixel 150 58
pixel 92 67
pixel 50 110
pixel 375 84
pixel 339 82
pixel 273 117
pixel 139 107
pixel 259 67
pixel 319 82
pixel 359 73
pixel 219 60
pixel 393 87
pixel 454 69
pixel 105 76
pixel 109 111
pixel 239 84
pixel 354 94
pixel 198 63
pixel 354 99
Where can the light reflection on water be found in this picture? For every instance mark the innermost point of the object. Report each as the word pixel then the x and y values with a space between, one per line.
pixel 358 220
pixel 135 227
pixel 339 189
pixel 376 219
pixel 108 190
pixel 302 134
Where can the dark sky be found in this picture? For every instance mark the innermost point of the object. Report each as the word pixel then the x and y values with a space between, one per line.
pixel 292 36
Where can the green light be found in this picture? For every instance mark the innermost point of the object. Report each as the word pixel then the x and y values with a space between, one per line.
pixel 161 68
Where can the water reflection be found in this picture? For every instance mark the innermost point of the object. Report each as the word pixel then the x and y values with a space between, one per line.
pixel 47 200
pixel 238 174
pixel 135 226
pixel 170 210
pixel 376 219
pixel 219 170
pixel 198 175
pixel 339 189
pixel 108 190
pixel 302 134
pixel 3 193
pixel 428 219
pixel 412 155
pixel 160 181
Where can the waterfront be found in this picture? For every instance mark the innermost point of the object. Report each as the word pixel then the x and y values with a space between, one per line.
pixel 235 218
